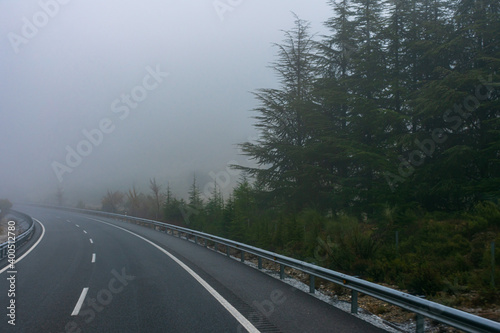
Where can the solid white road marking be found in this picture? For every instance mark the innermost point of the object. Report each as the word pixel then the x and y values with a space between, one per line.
pixel 28 251
pixel 231 309
pixel 93 257
pixel 78 305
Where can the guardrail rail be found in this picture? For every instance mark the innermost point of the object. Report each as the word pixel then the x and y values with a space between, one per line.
pixel 421 307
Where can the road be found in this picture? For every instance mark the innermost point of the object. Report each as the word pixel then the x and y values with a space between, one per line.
pixel 91 274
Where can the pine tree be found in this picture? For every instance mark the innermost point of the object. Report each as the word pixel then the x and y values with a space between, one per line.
pixel 281 150
pixel 214 210
pixel 331 142
pixel 458 97
pixel 193 212
pixel 370 121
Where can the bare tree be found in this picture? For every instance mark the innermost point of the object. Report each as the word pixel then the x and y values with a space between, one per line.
pixel 134 202
pixel 60 196
pixel 156 191
pixel 111 201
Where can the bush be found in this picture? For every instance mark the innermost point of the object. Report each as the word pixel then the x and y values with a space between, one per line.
pixel 5 206
pixel 425 280
pixel 488 212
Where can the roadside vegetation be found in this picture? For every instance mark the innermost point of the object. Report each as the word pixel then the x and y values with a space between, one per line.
pixel 445 256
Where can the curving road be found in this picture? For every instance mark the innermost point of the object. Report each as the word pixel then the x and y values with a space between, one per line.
pixel 91 274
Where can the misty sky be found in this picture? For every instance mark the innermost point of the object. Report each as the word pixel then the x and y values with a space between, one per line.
pixel 101 67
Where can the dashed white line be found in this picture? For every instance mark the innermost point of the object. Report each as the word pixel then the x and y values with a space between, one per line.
pixel 93 257
pixel 77 225
pixel 78 305
pixel 84 231
pixel 68 221
pixel 91 241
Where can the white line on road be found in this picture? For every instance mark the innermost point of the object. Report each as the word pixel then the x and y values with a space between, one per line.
pixel 93 257
pixel 77 225
pixel 31 249
pixel 231 309
pixel 78 305
pixel 91 241
pixel 68 221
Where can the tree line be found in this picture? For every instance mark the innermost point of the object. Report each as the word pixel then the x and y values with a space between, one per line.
pixel 389 122
pixel 397 106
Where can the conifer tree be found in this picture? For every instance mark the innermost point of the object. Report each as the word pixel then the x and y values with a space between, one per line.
pixel 280 152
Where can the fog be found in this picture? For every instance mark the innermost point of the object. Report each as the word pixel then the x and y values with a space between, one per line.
pixel 104 95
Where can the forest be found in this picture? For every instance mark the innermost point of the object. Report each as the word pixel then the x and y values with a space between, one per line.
pixel 378 155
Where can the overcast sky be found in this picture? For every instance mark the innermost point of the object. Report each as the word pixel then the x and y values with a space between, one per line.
pixel 98 95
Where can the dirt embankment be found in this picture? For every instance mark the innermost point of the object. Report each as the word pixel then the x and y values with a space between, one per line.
pixel 20 226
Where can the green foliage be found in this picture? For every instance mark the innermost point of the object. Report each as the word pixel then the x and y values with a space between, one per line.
pixel 425 280
pixel 388 109
pixel 487 211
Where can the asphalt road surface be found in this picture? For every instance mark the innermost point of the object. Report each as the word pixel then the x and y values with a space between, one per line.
pixel 92 274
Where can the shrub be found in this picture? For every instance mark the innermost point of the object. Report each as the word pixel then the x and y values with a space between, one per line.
pixel 425 280
pixel 488 212
pixel 5 206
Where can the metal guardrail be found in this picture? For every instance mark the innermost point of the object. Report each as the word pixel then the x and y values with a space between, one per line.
pixel 20 239
pixel 421 307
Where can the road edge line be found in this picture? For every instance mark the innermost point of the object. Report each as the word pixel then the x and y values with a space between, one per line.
pixel 231 309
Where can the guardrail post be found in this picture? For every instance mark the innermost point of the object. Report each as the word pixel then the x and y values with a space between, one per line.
pixel 227 250
pixel 242 256
pixel 205 242
pixel 216 247
pixel 420 323
pixel 282 271
pixel 311 283
pixel 196 240
pixel 354 301
pixel 397 242
pixel 259 262
pixel 493 264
